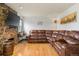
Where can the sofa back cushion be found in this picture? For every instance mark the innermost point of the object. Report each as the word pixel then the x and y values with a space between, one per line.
pixel 71 40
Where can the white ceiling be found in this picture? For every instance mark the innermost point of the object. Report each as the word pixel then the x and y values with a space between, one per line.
pixel 39 9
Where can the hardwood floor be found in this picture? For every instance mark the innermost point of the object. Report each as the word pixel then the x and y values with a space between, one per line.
pixel 34 49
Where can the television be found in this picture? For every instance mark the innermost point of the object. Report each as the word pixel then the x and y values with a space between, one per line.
pixel 13 20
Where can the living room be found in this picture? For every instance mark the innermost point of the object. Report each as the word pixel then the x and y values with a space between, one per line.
pixel 40 29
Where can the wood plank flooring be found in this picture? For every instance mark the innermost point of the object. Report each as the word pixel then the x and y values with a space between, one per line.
pixel 34 49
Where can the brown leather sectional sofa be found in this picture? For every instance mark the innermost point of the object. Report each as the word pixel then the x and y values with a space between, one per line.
pixel 65 42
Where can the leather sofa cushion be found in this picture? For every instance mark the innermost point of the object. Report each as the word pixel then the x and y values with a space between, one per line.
pixel 71 40
pixel 57 37
pixel 72 34
pixel 54 35
pixel 53 39
pixel 76 35
pixel 60 45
